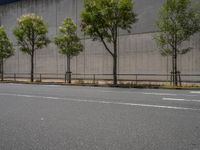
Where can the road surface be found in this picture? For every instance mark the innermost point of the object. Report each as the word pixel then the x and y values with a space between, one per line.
pixel 42 117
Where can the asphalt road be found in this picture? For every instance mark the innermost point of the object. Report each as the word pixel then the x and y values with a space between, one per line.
pixel 39 117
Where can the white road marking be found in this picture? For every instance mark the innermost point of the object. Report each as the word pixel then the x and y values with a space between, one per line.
pixel 148 93
pixel 188 95
pixel 14 84
pixel 195 92
pixel 99 89
pixel 184 100
pixel 50 85
pixel 42 85
pixel 145 93
pixel 100 102
pixel 160 94
pixel 173 99
pixel 120 92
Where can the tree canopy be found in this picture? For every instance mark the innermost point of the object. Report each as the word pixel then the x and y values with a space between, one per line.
pixel 31 34
pixel 67 40
pixel 178 21
pixel 102 19
pixel 6 47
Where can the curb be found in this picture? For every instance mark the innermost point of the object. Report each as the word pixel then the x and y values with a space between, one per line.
pixel 108 86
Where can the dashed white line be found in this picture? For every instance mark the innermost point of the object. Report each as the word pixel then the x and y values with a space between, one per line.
pixel 184 100
pixel 173 99
pixel 161 94
pixel 145 93
pixel 100 102
pixel 195 92
pixel 149 93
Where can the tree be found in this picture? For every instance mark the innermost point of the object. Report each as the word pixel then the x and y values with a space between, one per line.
pixel 102 19
pixel 68 42
pixel 178 21
pixel 31 35
pixel 6 49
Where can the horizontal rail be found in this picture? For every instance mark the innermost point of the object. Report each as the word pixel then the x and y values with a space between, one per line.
pixel 100 74
pixel 190 78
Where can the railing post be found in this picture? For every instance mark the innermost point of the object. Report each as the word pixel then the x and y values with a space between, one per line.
pixel 136 79
pixel 171 78
pixel 66 77
pixel 70 77
pixel 179 76
pixel 14 76
pixel 40 77
pixel 94 78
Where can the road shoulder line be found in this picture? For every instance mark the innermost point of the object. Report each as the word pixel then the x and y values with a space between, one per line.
pixel 99 102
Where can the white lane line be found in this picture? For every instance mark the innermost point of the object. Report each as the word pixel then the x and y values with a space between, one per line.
pixel 148 93
pixel 103 91
pixel 13 84
pixel 195 92
pixel 184 100
pixel 100 102
pixel 145 93
pixel 50 85
pixel 188 95
pixel 160 94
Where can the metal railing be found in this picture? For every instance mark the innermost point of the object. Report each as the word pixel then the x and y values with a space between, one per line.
pixel 103 78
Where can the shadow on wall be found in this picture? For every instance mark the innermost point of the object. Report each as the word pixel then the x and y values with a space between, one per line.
pixel 2 2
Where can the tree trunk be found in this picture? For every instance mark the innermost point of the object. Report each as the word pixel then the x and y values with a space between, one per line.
pixel 115 64
pixel 175 68
pixel 32 33
pixel 172 73
pixel 32 67
pixel 2 70
pixel 68 69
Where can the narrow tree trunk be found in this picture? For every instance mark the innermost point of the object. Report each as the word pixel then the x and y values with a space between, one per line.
pixel 174 63
pixel 32 33
pixel 68 69
pixel 32 67
pixel 172 73
pixel 114 70
pixel 2 71
pixel 175 69
pixel 115 64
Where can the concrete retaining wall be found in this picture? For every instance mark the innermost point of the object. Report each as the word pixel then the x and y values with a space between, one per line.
pixel 137 51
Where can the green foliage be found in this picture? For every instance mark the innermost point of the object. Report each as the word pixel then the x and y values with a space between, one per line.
pixel 101 19
pixel 178 21
pixel 67 40
pixel 6 47
pixel 31 33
